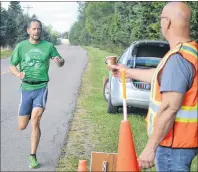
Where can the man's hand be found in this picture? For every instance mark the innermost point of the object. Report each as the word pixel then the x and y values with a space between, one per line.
pixel 59 61
pixel 146 158
pixel 21 75
pixel 16 72
pixel 116 70
pixel 144 75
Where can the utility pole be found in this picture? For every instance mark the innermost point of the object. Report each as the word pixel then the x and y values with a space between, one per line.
pixel 28 7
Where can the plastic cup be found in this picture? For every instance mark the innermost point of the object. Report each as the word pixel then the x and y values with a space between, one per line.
pixel 111 60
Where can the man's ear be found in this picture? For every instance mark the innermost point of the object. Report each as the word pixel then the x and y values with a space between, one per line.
pixel 167 22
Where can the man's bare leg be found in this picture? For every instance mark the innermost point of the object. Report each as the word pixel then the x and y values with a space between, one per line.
pixel 23 121
pixel 36 132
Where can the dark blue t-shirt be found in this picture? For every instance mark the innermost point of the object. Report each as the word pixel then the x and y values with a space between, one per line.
pixel 177 75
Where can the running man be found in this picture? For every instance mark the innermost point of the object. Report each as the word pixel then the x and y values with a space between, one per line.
pixel 33 57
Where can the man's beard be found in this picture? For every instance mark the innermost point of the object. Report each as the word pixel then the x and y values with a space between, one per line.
pixel 36 38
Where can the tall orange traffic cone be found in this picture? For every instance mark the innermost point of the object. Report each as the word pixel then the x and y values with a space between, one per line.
pixel 82 166
pixel 126 158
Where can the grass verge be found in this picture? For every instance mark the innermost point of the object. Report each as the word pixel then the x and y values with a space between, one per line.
pixel 92 129
pixel 5 53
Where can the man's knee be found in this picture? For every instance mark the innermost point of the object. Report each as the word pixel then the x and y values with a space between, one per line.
pixel 35 119
pixel 22 127
pixel 23 122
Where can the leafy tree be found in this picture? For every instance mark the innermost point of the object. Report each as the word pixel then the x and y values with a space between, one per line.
pixel 14 25
pixel 3 26
pixel 34 16
pixel 78 33
pixel 22 24
pixel 14 11
pixel 116 24
pixel 194 20
pixel 65 35
pixel 15 7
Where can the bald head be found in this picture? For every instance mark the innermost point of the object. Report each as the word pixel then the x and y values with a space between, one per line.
pixel 178 14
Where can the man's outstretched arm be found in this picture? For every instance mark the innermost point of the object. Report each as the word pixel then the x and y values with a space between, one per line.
pixel 144 75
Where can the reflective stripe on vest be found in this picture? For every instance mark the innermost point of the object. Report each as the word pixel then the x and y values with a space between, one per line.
pixel 190 49
pixel 188 114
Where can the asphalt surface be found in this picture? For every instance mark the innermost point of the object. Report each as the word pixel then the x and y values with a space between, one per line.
pixel 63 92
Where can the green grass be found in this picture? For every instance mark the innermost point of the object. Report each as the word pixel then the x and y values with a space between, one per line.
pixel 92 129
pixel 5 53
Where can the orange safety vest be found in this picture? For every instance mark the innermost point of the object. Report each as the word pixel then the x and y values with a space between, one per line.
pixel 184 133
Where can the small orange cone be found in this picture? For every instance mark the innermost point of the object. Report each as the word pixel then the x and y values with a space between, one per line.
pixel 82 166
pixel 126 158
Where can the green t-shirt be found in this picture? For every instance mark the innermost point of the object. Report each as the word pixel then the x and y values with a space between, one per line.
pixel 34 60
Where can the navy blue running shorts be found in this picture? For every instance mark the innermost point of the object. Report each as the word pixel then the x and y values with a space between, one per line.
pixel 31 99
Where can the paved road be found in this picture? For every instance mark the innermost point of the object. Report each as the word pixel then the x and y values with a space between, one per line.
pixel 63 92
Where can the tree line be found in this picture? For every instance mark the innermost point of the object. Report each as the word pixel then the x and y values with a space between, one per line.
pixel 13 25
pixel 116 25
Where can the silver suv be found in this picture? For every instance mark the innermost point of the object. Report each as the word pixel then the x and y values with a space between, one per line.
pixel 143 55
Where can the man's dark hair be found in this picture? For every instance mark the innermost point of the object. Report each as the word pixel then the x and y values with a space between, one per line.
pixel 34 20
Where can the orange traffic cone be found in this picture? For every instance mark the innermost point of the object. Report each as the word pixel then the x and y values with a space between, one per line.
pixel 126 158
pixel 82 166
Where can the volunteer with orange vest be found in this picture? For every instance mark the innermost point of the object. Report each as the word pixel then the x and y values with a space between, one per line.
pixel 172 121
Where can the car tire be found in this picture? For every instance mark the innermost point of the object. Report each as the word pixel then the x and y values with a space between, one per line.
pixel 110 108
pixel 106 90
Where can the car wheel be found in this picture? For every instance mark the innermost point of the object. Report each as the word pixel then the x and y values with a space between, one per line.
pixel 110 108
pixel 106 90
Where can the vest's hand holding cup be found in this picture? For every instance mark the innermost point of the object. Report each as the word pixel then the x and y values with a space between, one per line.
pixel 111 60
